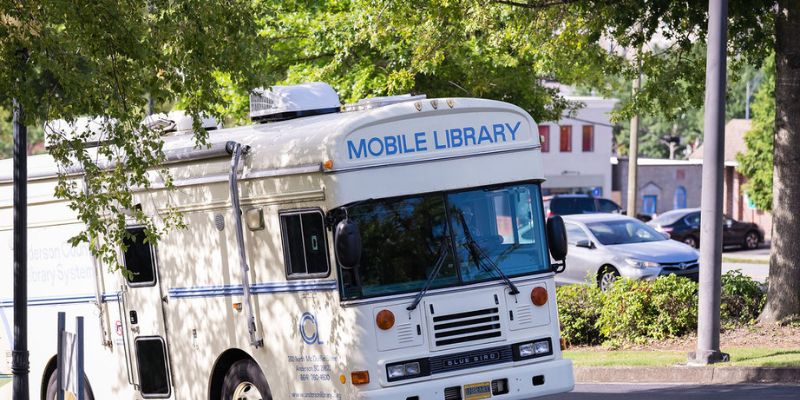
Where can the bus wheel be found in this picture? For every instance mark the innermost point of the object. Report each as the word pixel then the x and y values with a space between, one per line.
pixel 245 381
pixel 52 388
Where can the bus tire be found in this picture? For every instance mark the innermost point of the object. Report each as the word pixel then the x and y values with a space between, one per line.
pixel 52 388
pixel 244 380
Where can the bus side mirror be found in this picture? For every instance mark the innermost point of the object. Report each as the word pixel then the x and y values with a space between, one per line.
pixel 347 242
pixel 557 239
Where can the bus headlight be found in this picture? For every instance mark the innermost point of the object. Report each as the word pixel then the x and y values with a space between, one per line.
pixel 404 370
pixel 533 349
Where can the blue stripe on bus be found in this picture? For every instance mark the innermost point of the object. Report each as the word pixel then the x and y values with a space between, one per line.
pixel 257 288
pixel 196 291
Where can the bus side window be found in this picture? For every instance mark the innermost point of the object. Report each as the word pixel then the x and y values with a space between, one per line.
pixel 139 259
pixel 305 249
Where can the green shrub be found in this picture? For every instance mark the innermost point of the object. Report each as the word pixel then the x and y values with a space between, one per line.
pixel 635 311
pixel 741 299
pixel 578 309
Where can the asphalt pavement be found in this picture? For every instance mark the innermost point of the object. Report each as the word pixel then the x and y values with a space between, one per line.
pixel 682 392
pixel 753 263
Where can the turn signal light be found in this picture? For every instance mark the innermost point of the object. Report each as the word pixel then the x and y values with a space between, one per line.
pixel 385 320
pixel 539 296
pixel 359 377
pixel 328 164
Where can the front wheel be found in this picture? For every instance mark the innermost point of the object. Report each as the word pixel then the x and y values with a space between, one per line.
pixel 606 277
pixel 52 388
pixel 245 381
pixel 751 241
pixel 691 241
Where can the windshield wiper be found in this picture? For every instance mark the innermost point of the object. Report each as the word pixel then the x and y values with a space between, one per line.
pixel 436 267
pixel 478 254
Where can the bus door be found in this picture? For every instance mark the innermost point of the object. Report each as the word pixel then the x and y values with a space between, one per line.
pixel 143 319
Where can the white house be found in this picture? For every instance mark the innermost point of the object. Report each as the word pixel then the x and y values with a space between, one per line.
pixel 575 151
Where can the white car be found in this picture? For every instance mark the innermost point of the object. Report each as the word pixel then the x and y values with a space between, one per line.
pixel 603 247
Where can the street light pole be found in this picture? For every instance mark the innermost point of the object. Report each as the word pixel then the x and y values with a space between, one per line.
pixel 708 324
pixel 20 366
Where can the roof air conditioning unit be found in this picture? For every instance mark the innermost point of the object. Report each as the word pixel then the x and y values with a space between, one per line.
pixel 280 103
pixel 178 122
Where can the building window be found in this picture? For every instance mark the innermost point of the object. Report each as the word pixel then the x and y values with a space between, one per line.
pixel 544 137
pixel 649 204
pixel 566 139
pixel 680 197
pixel 588 138
pixel 139 258
pixel 304 245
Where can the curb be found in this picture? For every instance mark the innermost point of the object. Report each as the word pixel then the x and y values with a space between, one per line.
pixel 686 374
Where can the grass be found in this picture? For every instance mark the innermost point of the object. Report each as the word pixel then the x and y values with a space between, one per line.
pixel 745 260
pixel 751 357
pixel 4 380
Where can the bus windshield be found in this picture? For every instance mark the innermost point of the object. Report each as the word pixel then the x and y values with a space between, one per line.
pixel 403 237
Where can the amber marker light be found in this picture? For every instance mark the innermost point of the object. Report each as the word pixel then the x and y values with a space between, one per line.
pixel 539 296
pixel 328 164
pixel 343 379
pixel 385 320
pixel 237 307
pixel 359 377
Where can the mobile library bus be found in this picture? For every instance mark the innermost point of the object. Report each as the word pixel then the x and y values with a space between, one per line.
pixel 395 248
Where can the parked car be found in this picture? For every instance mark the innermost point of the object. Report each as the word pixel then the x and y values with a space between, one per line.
pixel 603 247
pixel 684 225
pixel 568 204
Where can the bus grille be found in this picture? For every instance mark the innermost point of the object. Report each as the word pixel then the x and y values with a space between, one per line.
pixel 467 326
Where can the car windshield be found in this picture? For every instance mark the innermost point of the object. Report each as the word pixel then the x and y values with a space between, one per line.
pixel 623 232
pixel 573 205
pixel 402 237
pixel 669 217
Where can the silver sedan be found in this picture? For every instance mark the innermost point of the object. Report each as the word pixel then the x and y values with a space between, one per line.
pixel 603 247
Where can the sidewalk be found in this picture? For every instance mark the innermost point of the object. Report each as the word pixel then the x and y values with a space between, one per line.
pixel 684 374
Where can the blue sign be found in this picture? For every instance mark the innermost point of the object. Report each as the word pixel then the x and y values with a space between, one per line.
pixel 435 140
pixel 597 192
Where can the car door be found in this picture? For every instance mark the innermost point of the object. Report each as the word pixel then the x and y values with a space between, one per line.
pixel 733 231
pixel 580 260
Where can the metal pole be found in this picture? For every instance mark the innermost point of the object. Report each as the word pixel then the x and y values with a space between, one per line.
pixel 20 365
pixel 747 101
pixel 79 357
pixel 708 325
pixel 633 153
pixel 60 366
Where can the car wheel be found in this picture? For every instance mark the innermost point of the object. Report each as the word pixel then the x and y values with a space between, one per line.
pixel 606 277
pixel 691 241
pixel 52 388
pixel 751 241
pixel 245 381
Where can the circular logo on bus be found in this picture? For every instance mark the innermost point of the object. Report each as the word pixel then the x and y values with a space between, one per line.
pixel 309 330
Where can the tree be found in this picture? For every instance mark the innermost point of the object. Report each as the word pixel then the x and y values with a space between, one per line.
pixel 757 163
pixel 783 297
pixel 105 58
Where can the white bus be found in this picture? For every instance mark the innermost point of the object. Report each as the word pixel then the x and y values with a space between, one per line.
pixel 395 248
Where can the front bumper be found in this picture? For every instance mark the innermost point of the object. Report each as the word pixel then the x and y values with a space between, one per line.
pixel 558 378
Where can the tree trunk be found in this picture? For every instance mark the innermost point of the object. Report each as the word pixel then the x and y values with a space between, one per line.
pixel 783 297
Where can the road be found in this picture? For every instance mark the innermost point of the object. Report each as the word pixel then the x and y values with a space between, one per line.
pixel 753 263
pixel 682 392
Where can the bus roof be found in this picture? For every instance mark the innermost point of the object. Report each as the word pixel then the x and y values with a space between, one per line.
pixel 406 132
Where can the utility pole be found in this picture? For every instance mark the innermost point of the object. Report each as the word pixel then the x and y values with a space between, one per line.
pixel 20 366
pixel 633 151
pixel 708 326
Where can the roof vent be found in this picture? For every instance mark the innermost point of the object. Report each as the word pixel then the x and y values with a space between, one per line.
pixel 375 102
pixel 91 130
pixel 178 122
pixel 280 103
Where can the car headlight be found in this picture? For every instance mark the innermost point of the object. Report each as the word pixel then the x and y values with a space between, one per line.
pixel 641 264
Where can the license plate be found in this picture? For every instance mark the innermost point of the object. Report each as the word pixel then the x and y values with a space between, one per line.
pixel 476 391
